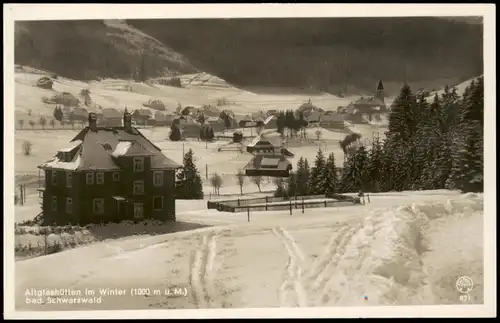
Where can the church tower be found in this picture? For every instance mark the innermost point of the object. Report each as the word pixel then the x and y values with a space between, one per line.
pixel 380 91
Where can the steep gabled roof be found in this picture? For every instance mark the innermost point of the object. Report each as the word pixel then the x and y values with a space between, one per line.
pixel 100 149
pixel 268 162
pixel 380 86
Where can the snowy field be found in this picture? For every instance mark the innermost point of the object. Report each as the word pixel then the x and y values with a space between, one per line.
pixel 198 89
pixel 405 248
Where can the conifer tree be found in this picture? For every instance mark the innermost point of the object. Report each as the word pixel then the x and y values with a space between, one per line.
pixel 355 175
pixel 189 184
pixel 330 175
pixel 302 177
pixel 467 169
pixel 292 184
pixel 375 169
pixel 317 179
pixel 403 117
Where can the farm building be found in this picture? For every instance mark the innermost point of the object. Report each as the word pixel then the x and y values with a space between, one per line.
pixel 268 164
pixel 216 123
pixel 180 120
pixel 108 174
pixel 162 119
pixel 365 110
pixel 270 122
pixel 155 105
pixel 64 98
pixel 332 120
pixel 272 112
pixel 78 115
pixel 189 110
pixel 313 116
pixel 191 129
pixel 210 111
pixel 45 83
pixel 110 118
pixel 264 145
pixel 141 116
pixel 307 108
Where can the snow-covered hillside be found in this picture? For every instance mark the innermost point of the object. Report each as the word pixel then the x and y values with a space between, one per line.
pixel 198 89
pixel 400 249
pixel 460 87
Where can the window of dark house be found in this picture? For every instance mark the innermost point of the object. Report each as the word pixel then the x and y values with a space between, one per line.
pixel 69 179
pixel 138 211
pixel 54 203
pixel 99 178
pixel 158 178
pixel 98 206
pixel 69 205
pixel 54 177
pixel 158 203
pixel 138 164
pixel 138 188
pixel 89 178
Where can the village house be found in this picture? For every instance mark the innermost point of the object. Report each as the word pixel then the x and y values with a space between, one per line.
pixel 268 160
pixel 210 111
pixel 332 120
pixel 141 116
pixel 271 122
pixel 155 105
pixel 216 123
pixel 161 119
pixel 191 129
pixel 108 175
pixel 180 120
pixel 313 117
pixel 366 110
pixel 110 118
pixel 78 115
pixel 272 112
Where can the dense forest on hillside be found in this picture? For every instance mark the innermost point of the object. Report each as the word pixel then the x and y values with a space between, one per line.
pixel 322 52
pixel 434 143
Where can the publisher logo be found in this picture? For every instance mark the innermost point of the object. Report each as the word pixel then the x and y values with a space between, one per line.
pixel 464 284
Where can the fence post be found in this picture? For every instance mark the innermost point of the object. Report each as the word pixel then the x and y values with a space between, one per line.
pixel 206 171
pixel 24 193
pixel 368 197
pixel 302 205
pixel 325 203
pixel 238 202
pixel 248 214
pixel 290 207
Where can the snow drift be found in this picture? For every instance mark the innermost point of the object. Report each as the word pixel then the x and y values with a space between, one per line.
pixel 382 257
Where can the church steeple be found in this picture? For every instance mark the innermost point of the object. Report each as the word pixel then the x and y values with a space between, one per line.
pixel 380 91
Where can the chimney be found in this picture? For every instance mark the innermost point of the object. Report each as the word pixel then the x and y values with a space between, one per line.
pixel 127 121
pixel 93 121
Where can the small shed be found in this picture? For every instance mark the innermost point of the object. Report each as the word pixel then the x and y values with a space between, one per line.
pixel 45 83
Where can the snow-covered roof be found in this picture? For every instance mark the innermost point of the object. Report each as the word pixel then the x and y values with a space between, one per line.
pixel 59 164
pixel 72 145
pixel 122 148
pixel 99 149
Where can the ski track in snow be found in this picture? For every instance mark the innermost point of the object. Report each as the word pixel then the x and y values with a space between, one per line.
pixel 292 286
pixel 201 270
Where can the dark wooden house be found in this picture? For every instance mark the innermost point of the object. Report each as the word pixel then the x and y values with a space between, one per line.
pixel 269 160
pixel 268 164
pixel 108 174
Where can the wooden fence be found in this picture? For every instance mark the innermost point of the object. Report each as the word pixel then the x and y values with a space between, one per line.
pixel 281 203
